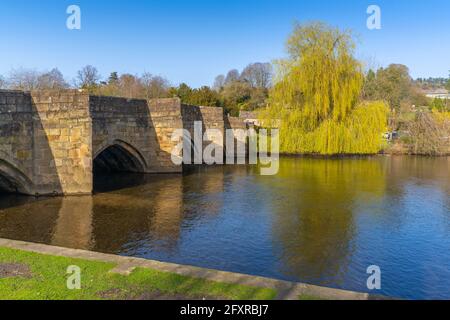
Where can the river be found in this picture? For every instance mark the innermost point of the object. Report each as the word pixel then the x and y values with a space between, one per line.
pixel 319 221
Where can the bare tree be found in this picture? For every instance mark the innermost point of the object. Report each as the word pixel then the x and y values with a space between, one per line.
pixel 258 75
pixel 23 79
pixel 88 77
pixel 219 82
pixel 154 86
pixel 430 136
pixel 130 86
pixel 232 76
pixel 2 82
pixel 52 80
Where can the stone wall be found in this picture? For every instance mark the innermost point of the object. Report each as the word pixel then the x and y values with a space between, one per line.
pixel 166 118
pixel 62 148
pixel 51 141
pixel 240 141
pixel 143 128
pixel 45 142
pixel 210 118
pixel 16 139
pixel 123 137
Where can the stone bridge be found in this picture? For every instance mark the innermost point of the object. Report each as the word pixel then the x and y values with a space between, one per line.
pixel 52 142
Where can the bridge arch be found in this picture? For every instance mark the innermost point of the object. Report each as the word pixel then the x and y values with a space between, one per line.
pixel 119 156
pixel 14 180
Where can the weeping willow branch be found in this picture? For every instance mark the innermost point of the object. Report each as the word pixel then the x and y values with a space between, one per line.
pixel 317 96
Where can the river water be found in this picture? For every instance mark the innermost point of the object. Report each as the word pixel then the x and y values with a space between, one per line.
pixel 319 221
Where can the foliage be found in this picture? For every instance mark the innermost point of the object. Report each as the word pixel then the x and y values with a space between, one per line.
pixel 203 96
pixel 393 85
pixel 130 86
pixel 431 83
pixel 440 105
pixel 317 95
pixel 236 95
pixel 430 133
pixel 235 92
pixel 247 90
pixel 359 133
pixel 48 281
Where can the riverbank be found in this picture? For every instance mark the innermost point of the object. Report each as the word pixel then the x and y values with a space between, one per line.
pixel 37 271
pixel 393 150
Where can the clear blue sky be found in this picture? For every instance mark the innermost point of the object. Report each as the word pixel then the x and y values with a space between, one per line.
pixel 193 41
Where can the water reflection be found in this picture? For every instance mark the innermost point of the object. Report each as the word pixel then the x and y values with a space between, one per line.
pixel 315 222
pixel 73 226
pixel 322 221
pixel 147 215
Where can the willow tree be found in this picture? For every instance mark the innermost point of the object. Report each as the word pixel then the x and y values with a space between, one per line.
pixel 317 96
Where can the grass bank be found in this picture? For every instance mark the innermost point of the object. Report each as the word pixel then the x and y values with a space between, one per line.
pixel 35 276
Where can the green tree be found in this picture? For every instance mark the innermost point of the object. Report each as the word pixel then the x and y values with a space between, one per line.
pixel 439 104
pixel 113 78
pixel 204 97
pixel 317 96
pixel 184 92
pixel 370 85
pixel 236 96
pixel 395 86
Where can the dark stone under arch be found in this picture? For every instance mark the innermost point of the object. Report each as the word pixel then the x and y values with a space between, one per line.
pixel 116 158
pixel 13 180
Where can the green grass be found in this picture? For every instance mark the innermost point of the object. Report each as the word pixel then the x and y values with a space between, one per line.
pixel 49 278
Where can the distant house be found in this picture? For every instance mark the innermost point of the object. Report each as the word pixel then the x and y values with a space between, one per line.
pixel 249 117
pixel 438 94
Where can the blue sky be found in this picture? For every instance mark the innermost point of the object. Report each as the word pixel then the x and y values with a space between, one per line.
pixel 193 41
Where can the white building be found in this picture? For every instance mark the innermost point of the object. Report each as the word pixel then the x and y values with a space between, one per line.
pixel 438 94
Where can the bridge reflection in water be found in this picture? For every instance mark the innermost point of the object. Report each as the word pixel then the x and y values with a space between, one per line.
pixel 318 221
pixel 113 220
